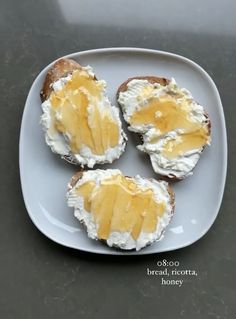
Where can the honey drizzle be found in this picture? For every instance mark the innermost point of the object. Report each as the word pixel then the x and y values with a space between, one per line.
pixel 118 204
pixel 91 127
pixel 166 115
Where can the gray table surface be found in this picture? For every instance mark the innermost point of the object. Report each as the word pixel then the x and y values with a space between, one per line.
pixel 40 279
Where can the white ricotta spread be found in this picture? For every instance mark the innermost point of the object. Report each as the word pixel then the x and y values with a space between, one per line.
pixel 59 142
pixel 122 240
pixel 138 94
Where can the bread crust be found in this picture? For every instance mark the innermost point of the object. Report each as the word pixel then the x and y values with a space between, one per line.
pixel 77 176
pixel 60 68
pixel 163 81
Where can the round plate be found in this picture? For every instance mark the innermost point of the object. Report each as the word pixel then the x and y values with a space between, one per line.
pixel 44 176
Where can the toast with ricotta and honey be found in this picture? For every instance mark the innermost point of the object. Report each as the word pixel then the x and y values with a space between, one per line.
pixel 79 122
pixel 124 212
pixel 174 128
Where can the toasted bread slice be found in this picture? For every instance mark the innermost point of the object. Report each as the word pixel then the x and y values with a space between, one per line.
pixel 124 212
pixel 137 96
pixel 79 122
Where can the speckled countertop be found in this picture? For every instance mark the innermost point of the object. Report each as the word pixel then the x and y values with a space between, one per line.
pixel 40 279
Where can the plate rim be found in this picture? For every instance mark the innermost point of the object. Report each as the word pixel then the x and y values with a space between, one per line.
pixel 225 148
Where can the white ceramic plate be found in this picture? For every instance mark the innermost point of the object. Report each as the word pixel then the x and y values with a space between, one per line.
pixel 44 176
